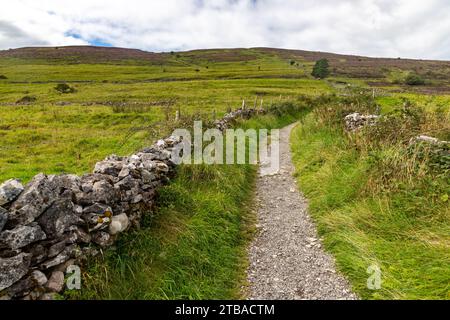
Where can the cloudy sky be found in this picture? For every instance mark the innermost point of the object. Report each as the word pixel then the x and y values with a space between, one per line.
pixel 392 28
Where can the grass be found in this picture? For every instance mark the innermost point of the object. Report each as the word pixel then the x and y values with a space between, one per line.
pixel 70 132
pixel 194 246
pixel 368 216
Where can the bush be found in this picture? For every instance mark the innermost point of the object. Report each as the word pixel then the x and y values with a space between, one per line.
pixel 414 80
pixel 320 70
pixel 64 88
pixel 3 77
pixel 26 100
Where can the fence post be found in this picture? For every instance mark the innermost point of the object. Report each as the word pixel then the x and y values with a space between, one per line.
pixel 243 104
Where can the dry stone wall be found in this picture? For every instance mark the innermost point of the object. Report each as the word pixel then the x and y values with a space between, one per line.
pixel 56 221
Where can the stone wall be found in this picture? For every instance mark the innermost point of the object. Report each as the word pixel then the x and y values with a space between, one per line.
pixel 56 221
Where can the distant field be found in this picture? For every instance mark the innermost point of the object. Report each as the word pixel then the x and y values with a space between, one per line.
pixel 123 97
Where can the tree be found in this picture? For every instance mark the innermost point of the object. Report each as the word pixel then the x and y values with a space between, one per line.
pixel 320 69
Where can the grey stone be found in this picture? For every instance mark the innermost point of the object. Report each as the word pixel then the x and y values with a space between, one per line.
pixel 428 139
pixel 13 269
pixel 56 282
pixel 103 239
pixel 65 255
pixel 109 167
pixel 103 192
pixel 65 182
pixel 147 177
pixel 38 253
pixel 39 278
pixel 356 121
pixel 21 288
pixel 56 249
pixel 82 236
pixel 10 190
pixel 162 167
pixel 3 218
pixel 58 218
pixel 21 236
pixel 32 202
pixel 97 208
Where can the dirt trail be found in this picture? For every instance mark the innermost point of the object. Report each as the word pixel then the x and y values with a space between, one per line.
pixel 286 258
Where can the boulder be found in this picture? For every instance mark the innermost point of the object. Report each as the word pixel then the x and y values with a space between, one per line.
pixel 65 185
pixel 13 269
pixel 119 224
pixel 21 236
pixel 10 190
pixel 103 192
pixel 58 218
pixel 32 202
pixel 110 166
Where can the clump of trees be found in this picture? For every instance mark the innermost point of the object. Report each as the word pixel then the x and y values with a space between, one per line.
pixel 414 79
pixel 64 88
pixel 321 69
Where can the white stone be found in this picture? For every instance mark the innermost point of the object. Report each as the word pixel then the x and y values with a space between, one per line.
pixel 119 224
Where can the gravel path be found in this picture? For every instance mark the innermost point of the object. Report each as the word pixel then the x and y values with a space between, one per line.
pixel 287 261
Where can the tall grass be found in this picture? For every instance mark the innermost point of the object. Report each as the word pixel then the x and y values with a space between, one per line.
pixel 377 199
pixel 194 246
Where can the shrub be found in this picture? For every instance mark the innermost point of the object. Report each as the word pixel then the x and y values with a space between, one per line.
pixel 26 100
pixel 414 80
pixel 64 88
pixel 3 77
pixel 292 62
pixel 321 69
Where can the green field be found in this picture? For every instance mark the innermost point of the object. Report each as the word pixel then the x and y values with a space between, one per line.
pixel 368 209
pixel 117 109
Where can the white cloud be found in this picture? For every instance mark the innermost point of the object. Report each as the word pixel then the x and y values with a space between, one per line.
pixel 406 28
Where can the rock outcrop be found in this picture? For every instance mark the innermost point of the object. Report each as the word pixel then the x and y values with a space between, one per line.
pixel 356 121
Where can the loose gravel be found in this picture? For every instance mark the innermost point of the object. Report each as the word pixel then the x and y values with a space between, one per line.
pixel 287 261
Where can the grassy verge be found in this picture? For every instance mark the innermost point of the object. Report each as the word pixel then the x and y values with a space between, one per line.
pixel 194 246
pixel 377 204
